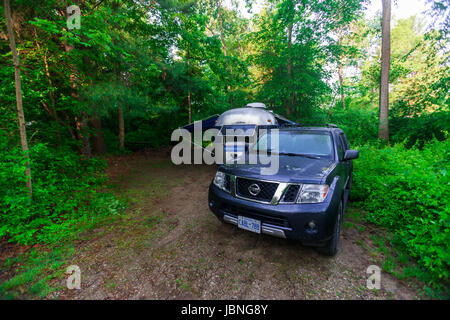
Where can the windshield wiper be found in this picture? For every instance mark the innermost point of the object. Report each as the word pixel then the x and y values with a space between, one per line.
pixel 291 154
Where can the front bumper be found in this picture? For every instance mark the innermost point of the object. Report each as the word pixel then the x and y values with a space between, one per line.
pixel 290 221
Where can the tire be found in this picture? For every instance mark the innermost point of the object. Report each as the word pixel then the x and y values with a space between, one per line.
pixel 331 248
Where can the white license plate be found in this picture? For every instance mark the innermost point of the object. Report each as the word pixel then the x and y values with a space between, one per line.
pixel 249 224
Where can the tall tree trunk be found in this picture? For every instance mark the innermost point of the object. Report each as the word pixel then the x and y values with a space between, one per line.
pixel 383 127
pixel 22 129
pixel 52 108
pixel 189 105
pixel 291 103
pixel 224 47
pixel 340 73
pixel 188 86
pixel 121 129
pixel 81 123
pixel 85 136
pixel 373 97
pixel 341 85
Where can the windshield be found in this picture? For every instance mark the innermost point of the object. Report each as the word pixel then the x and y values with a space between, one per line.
pixel 297 143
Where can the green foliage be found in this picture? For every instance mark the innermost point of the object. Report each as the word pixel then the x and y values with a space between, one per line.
pixel 65 195
pixel 360 125
pixel 292 49
pixel 417 130
pixel 34 270
pixel 148 57
pixel 406 190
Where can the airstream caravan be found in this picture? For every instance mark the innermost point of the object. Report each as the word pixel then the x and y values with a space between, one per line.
pixel 239 127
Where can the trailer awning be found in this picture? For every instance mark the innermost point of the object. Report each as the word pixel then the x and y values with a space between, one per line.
pixel 206 124
pixel 283 120
pixel 210 122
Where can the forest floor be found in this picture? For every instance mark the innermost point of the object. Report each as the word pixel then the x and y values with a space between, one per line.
pixel 168 245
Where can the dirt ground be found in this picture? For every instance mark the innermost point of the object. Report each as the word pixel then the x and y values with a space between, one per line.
pixel 168 245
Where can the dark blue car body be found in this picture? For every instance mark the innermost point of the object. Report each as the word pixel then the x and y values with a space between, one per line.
pixel 280 215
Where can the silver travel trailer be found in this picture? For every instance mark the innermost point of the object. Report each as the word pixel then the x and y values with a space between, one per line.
pixel 253 113
pixel 247 116
pixel 239 127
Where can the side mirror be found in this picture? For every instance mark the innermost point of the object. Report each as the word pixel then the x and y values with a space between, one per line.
pixel 351 154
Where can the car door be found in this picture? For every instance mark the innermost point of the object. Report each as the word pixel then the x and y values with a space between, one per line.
pixel 347 165
pixel 341 170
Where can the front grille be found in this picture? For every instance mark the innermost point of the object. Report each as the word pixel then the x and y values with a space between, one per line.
pixel 263 217
pixel 267 189
pixel 291 193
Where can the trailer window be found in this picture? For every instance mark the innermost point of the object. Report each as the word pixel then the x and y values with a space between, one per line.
pixel 238 130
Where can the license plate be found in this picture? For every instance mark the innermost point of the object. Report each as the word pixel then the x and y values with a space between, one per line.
pixel 249 224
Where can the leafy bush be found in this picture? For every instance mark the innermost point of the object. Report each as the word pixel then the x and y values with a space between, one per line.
pixel 407 191
pixel 64 194
pixel 360 125
pixel 419 129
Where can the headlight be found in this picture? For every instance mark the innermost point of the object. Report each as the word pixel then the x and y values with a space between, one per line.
pixel 313 193
pixel 219 180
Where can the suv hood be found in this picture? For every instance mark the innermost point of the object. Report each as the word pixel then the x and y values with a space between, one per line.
pixel 291 169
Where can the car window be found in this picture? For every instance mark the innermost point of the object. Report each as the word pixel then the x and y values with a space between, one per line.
pixel 344 141
pixel 340 148
pixel 307 143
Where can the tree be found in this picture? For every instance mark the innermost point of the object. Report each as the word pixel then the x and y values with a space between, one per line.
pixel 293 46
pixel 20 114
pixel 383 127
pixel 340 71
pixel 229 68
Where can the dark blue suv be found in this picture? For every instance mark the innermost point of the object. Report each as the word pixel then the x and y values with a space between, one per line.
pixel 304 200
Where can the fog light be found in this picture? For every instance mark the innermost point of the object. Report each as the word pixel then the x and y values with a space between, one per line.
pixel 311 228
pixel 211 204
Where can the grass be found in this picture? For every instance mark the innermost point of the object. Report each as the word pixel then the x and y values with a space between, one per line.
pixel 111 285
pixel 40 271
pixel 385 254
pixel 35 273
pixel 183 284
